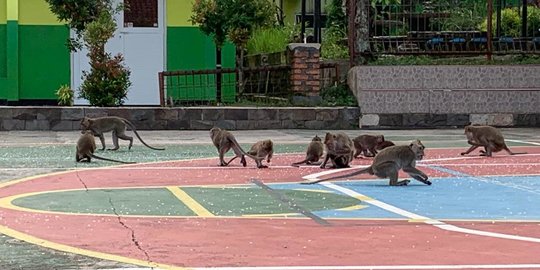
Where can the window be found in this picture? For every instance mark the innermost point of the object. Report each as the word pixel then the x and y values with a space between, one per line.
pixel 141 13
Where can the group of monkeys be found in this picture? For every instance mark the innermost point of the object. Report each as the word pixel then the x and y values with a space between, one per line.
pixel 340 149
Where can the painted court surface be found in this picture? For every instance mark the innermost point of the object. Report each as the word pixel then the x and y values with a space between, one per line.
pixel 480 213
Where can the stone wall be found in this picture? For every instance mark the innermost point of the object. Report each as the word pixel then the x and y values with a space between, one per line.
pixel 191 118
pixel 438 96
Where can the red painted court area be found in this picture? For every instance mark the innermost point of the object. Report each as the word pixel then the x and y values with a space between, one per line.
pixel 198 242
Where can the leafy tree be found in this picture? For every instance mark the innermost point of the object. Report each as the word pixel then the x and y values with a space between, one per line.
pixel 232 19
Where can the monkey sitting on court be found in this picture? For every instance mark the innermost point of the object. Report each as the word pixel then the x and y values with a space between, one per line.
pixel 86 145
pixel 261 150
pixel 389 161
pixel 314 152
pixel 339 150
pixel 485 136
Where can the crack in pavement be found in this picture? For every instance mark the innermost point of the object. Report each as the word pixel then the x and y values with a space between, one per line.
pixel 133 238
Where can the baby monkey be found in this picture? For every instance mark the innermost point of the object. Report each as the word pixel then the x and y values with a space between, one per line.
pixel 367 145
pixel 261 150
pixel 488 137
pixel 86 145
pixel 389 161
pixel 314 152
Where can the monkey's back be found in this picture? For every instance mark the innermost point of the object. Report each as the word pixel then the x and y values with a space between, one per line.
pixel 489 134
pixel 397 154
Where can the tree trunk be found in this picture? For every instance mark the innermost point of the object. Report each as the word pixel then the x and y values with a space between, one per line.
pixel 240 68
pixel 361 28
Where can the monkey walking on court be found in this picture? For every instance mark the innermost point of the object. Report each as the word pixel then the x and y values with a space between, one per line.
pixel 488 137
pixel 339 150
pixel 367 144
pixel 261 150
pixel 115 124
pixel 380 146
pixel 86 145
pixel 314 152
pixel 224 141
pixel 389 161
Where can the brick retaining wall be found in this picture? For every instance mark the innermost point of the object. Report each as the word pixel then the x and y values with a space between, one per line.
pixel 192 118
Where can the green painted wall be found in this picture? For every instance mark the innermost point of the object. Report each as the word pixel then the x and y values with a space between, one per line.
pixel 3 50
pixel 43 65
pixel 188 48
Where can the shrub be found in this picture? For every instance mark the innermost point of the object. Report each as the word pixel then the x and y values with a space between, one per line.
pixel 271 39
pixel 338 95
pixel 510 23
pixel 65 95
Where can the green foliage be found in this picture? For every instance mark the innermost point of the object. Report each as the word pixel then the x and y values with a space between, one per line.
pixel 338 95
pixel 334 44
pixel 533 21
pixel 210 17
pixel 233 19
pixel 510 23
pixel 65 95
pixel 336 18
pixel 462 18
pixel 107 82
pixel 77 14
pixel 271 39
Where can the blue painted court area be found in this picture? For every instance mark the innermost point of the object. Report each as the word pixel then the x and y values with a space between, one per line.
pixel 461 198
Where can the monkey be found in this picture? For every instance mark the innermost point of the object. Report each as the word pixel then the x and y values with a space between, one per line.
pixel 389 161
pixel 339 149
pixel 314 152
pixel 115 124
pixel 380 146
pixel 261 150
pixel 365 143
pixel 224 140
pixel 488 137
pixel 86 145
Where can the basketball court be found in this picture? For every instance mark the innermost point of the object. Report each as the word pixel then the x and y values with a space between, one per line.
pixel 479 213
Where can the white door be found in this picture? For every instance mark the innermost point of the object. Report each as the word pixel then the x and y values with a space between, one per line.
pixel 141 39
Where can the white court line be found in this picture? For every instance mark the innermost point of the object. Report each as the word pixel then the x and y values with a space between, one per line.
pixel 520 141
pixel 427 220
pixel 381 267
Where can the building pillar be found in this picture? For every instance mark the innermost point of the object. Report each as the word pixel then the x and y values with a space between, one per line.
pixel 304 60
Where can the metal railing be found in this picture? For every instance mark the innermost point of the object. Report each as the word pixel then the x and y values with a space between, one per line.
pixel 450 27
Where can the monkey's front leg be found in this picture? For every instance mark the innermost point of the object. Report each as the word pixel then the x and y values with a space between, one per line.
pixel 102 139
pixel 417 174
pixel 326 158
pixel 469 150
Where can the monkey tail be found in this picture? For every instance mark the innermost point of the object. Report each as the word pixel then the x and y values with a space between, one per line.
pixel 112 160
pixel 296 164
pixel 233 140
pixel 138 136
pixel 366 170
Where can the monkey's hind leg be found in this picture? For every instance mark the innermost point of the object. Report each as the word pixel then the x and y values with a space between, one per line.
pixel 125 137
pixel 389 170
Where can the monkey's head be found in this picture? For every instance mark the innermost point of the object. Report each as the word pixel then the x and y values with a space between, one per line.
pixel 380 138
pixel 213 131
pixel 316 139
pixel 86 123
pixel 330 140
pixel 418 148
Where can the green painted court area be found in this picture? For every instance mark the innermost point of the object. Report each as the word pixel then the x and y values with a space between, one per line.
pixel 223 201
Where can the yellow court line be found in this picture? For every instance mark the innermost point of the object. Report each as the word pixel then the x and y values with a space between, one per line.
pixel 69 249
pixel 196 207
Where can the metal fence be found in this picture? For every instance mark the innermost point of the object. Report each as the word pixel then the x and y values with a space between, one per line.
pixel 265 83
pixel 457 27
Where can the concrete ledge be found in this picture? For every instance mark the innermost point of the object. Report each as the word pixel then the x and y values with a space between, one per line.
pixel 190 118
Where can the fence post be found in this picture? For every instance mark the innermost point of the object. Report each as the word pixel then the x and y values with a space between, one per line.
pixel 161 89
pixel 305 69
pixel 489 29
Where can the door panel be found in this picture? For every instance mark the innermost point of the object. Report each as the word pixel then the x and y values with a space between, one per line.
pixel 140 38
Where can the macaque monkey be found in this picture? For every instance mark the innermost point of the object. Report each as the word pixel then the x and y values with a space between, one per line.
pixel 224 140
pixel 115 124
pixel 339 150
pixel 314 152
pixel 366 144
pixel 261 150
pixel 389 161
pixel 488 137
pixel 380 146
pixel 86 145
